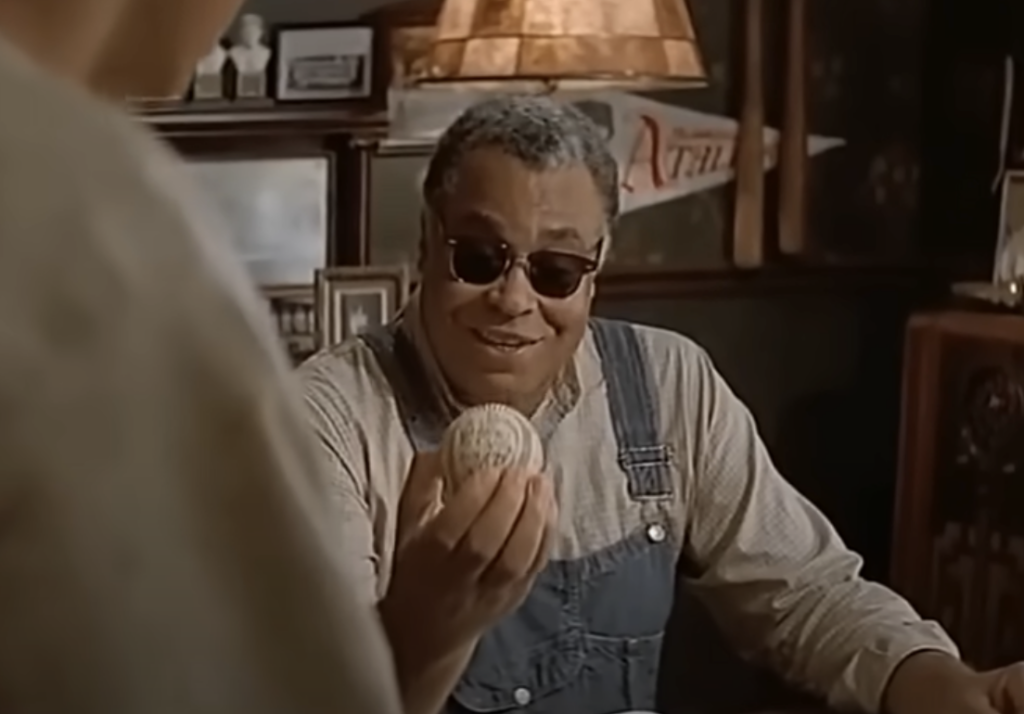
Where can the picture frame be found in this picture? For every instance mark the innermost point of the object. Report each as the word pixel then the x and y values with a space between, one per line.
pixel 319 62
pixel 279 210
pixel 353 299
pixel 293 310
pixel 1009 252
pixel 396 170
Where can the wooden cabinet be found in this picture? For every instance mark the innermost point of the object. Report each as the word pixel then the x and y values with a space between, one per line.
pixel 959 540
pixel 328 131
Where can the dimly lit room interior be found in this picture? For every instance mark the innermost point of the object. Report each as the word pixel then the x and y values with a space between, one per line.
pixel 832 207
pixel 911 136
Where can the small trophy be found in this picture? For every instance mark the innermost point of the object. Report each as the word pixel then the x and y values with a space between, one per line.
pixel 250 58
pixel 209 80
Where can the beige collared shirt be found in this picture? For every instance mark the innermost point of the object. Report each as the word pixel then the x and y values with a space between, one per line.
pixel 164 536
pixel 773 570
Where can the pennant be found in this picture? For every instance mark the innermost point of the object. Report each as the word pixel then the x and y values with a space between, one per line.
pixel 664 152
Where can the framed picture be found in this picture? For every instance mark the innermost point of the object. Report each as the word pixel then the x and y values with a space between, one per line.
pixel 396 173
pixel 278 211
pixel 1009 257
pixel 324 63
pixel 352 300
pixel 293 309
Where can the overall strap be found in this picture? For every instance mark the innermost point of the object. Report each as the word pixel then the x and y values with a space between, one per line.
pixel 633 405
pixel 402 367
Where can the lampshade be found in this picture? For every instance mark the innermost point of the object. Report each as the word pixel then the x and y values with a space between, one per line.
pixel 564 44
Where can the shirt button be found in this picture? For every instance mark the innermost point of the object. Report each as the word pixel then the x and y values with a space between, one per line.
pixel 522 696
pixel 656 532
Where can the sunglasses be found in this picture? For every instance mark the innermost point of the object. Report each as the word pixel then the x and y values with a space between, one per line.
pixel 552 273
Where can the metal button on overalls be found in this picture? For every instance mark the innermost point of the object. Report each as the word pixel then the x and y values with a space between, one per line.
pixel 522 696
pixel 656 532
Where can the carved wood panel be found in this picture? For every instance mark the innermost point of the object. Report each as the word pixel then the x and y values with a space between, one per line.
pixel 976 574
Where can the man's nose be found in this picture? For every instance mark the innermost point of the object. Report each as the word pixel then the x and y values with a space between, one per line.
pixel 513 295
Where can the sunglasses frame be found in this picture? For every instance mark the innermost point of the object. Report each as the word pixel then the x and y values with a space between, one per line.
pixel 513 259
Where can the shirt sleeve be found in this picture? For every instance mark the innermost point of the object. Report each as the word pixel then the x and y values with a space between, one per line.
pixel 164 540
pixel 333 424
pixel 776 574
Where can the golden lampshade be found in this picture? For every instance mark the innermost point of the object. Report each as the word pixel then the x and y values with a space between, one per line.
pixel 564 44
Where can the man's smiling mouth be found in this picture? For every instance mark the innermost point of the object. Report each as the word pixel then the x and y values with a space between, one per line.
pixel 503 341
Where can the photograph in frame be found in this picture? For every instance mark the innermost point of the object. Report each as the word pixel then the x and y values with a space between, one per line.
pixel 277 211
pixel 352 300
pixel 396 178
pixel 324 63
pixel 1009 257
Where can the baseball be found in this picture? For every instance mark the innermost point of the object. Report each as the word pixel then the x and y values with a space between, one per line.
pixel 491 436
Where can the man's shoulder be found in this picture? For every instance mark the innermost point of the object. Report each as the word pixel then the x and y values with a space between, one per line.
pixel 96 219
pixel 666 347
pixel 344 375
pixel 55 136
pixel 680 368
pixel 78 173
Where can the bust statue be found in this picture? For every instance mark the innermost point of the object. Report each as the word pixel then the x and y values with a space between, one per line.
pixel 209 78
pixel 250 57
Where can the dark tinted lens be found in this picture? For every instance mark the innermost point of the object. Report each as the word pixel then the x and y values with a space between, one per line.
pixel 558 275
pixel 479 262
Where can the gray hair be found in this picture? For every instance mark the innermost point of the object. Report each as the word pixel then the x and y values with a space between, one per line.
pixel 537 130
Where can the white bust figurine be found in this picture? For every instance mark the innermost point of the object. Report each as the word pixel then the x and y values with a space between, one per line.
pixel 212 62
pixel 250 56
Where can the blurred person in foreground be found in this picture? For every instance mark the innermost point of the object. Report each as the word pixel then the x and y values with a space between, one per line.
pixel 163 540
pixel 493 600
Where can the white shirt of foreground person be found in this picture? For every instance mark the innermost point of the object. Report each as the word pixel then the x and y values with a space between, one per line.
pixel 163 534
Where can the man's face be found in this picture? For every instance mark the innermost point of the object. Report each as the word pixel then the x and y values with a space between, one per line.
pixel 504 342
pixel 157 44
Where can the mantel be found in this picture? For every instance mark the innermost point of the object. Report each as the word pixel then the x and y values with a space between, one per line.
pixel 235 120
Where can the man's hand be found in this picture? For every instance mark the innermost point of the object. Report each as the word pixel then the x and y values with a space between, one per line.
pixel 461 566
pixel 936 683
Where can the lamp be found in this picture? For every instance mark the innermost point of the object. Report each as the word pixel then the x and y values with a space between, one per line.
pixel 550 45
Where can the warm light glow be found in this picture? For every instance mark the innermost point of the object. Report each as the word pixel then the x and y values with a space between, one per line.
pixel 544 45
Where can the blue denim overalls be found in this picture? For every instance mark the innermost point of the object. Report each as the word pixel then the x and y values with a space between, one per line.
pixel 547 657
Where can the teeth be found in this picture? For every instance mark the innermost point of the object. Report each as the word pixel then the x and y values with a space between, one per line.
pixel 504 345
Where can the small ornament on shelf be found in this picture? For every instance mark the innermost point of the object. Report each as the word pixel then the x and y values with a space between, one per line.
pixel 208 84
pixel 1009 257
pixel 250 58
pixel 1005 291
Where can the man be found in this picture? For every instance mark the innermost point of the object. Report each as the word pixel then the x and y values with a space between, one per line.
pixel 163 541
pixel 650 457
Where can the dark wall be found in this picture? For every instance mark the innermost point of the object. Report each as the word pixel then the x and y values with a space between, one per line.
pixel 964 92
pixel 820 369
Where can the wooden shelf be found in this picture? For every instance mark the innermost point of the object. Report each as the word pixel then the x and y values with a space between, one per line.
pixel 236 119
